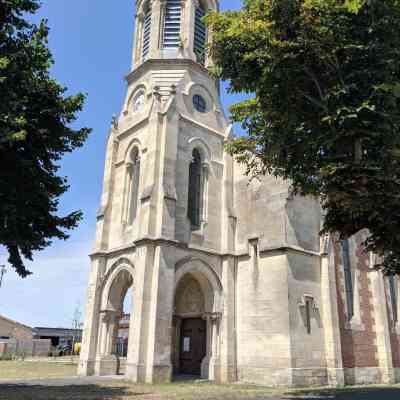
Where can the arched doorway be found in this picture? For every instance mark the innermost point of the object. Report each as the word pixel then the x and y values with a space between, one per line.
pixel 113 337
pixel 196 322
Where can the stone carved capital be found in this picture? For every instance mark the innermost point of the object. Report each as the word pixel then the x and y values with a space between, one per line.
pixel 109 316
pixel 212 316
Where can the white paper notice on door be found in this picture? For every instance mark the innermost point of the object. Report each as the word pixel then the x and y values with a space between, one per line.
pixel 186 344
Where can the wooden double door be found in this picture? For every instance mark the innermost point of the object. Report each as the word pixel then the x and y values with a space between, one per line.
pixel 193 345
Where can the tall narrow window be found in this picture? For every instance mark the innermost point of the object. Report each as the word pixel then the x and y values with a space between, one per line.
pixel 146 31
pixel 393 296
pixel 348 278
pixel 308 315
pixel 172 24
pixel 200 35
pixel 194 198
pixel 133 192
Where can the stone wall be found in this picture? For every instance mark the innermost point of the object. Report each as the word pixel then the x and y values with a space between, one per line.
pixel 358 339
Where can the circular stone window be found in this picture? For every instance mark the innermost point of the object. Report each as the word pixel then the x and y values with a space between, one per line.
pixel 138 102
pixel 199 103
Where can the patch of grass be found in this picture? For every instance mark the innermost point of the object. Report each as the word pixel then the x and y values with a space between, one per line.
pixel 35 370
pixel 82 392
pixel 122 390
pixel 365 392
pixel 198 390
pixel 102 389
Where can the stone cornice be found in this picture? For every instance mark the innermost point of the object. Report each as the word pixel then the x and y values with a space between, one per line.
pixel 174 63
pixel 285 248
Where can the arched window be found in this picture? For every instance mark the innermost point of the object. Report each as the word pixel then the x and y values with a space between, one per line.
pixel 393 296
pixel 172 24
pixel 200 34
pixel 146 31
pixel 133 170
pixel 195 190
pixel 348 278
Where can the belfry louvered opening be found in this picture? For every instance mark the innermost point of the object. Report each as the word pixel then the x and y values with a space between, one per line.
pixel 172 24
pixel 146 31
pixel 200 35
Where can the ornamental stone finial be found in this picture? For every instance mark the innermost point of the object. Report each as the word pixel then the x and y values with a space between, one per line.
pixel 114 122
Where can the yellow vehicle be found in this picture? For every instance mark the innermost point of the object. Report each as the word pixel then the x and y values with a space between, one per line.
pixel 77 348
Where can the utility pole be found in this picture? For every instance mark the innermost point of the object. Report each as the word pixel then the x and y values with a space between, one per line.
pixel 3 270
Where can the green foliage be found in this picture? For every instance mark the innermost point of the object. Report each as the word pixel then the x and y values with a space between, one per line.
pixel 6 357
pixel 325 75
pixel 35 119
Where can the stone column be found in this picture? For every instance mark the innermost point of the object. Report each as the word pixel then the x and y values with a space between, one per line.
pixel 330 316
pixel 106 361
pixel 384 350
pixel 101 348
pixel 206 369
pixel 137 40
pixel 188 28
pixel 177 338
pixel 215 321
pixel 156 28
pixel 111 330
pixel 210 364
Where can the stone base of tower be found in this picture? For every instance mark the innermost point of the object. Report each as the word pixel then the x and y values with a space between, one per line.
pixel 288 377
pixel 335 376
pixel 86 367
pixel 155 374
pixel 107 365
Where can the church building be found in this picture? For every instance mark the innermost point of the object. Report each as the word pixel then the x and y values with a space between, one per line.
pixel 230 278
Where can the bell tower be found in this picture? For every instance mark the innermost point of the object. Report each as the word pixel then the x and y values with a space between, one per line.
pixel 170 30
pixel 165 218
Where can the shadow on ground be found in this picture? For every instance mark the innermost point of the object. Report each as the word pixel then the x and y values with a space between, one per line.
pixel 347 394
pixel 72 392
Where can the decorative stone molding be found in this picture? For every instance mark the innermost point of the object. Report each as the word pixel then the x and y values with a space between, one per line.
pixel 302 302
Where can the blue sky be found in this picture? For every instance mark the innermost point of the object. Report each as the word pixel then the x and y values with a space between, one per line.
pixel 91 42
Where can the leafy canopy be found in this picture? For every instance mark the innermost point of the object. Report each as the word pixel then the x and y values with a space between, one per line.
pixel 325 114
pixel 35 132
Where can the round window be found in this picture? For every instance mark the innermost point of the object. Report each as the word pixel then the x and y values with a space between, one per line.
pixel 138 102
pixel 199 103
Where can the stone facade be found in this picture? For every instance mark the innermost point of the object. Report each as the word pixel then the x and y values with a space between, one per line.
pixel 252 265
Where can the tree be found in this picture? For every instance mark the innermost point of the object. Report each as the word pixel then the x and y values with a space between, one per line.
pixel 35 132
pixel 325 111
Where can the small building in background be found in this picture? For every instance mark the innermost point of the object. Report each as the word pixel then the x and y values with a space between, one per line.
pixel 10 329
pixel 122 336
pixel 123 328
pixel 59 336
pixel 19 339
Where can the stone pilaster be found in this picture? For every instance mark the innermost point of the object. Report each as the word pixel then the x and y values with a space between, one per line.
pixel 139 322
pixel 330 316
pixel 160 312
pixel 91 327
pixel 228 323
pixel 384 351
